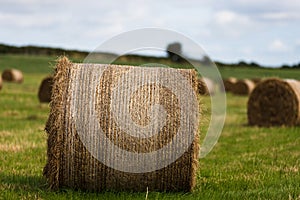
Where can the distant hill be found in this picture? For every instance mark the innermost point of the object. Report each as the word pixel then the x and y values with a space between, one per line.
pixel 36 50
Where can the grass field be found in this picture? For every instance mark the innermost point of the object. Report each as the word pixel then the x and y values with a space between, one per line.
pixel 246 163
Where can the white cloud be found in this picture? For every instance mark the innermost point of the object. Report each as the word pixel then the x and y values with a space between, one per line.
pixel 258 5
pixel 278 46
pixel 232 24
pixel 225 17
pixel 30 21
pixel 262 9
pixel 229 29
pixel 279 16
pixel 247 50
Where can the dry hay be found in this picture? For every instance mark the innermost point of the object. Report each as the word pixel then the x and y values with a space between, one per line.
pixel 275 102
pixel 45 90
pixel 0 82
pixel 243 87
pixel 229 83
pixel 11 148
pixel 206 86
pixel 256 80
pixel 12 75
pixel 73 163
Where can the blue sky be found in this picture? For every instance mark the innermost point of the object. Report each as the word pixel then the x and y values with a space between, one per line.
pixel 264 31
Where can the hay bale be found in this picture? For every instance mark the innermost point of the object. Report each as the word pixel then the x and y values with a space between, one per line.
pixel 206 86
pixel 275 102
pixel 202 89
pixel 12 75
pixel 0 82
pixel 86 132
pixel 256 80
pixel 229 84
pixel 45 90
pixel 243 87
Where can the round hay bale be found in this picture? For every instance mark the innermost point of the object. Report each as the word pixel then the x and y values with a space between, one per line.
pixel 229 84
pixel 243 87
pixel 275 102
pixel 206 86
pixel 93 103
pixel 256 80
pixel 45 90
pixel 12 75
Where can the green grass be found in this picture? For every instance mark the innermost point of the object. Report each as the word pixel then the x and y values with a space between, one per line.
pixel 248 72
pixel 246 163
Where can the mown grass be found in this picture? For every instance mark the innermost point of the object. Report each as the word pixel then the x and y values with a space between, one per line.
pixel 246 163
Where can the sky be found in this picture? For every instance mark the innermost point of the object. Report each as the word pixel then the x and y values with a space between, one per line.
pixel 262 31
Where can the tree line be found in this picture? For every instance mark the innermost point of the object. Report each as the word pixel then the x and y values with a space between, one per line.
pixel 173 50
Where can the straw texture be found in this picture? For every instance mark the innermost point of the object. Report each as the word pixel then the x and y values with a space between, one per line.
pixel 82 107
pixel 275 102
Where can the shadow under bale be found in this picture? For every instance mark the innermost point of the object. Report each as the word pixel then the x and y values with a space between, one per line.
pixel 275 102
pixel 12 75
pixel 96 107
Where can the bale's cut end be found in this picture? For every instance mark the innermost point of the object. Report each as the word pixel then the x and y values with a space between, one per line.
pixel 82 110
pixel 243 87
pixel 275 102
pixel 45 90
pixel 229 83
pixel 12 75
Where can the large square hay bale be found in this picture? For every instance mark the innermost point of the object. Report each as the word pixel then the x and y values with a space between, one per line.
pixel 98 111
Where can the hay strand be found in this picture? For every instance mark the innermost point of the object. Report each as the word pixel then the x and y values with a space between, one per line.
pixel 73 163
pixel 275 102
pixel 12 75
pixel 45 90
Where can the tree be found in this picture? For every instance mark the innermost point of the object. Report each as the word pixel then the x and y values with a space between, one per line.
pixel 174 51
pixel 206 61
